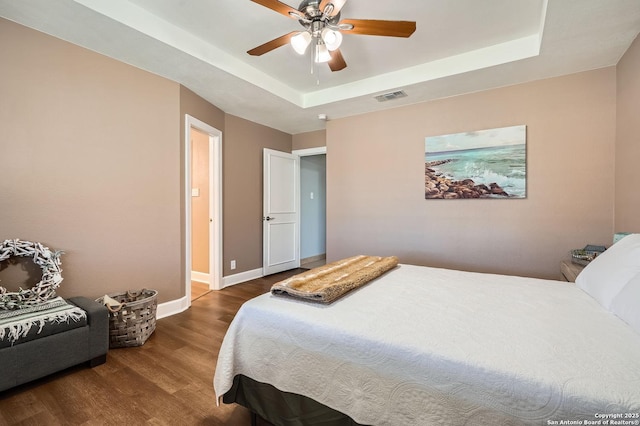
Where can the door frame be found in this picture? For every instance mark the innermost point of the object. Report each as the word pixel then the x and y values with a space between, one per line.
pixel 215 203
pixel 307 152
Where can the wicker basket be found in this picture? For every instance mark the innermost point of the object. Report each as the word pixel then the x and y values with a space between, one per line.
pixel 134 320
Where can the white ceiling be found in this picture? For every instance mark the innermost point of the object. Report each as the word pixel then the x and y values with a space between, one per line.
pixel 460 46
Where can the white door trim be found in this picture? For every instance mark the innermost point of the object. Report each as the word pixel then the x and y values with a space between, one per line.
pixel 306 153
pixel 310 151
pixel 215 203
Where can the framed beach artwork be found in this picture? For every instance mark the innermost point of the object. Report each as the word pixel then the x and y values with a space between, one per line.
pixel 481 164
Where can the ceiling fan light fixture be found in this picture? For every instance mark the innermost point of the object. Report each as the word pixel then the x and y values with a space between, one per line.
pixel 322 53
pixel 324 30
pixel 300 42
pixel 332 39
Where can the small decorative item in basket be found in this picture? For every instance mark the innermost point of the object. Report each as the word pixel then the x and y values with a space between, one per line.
pixel 132 317
pixel 585 255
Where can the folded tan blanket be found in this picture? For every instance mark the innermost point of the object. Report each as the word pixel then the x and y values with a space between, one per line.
pixel 327 283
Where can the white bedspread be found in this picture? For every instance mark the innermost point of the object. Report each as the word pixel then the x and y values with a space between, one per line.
pixel 422 346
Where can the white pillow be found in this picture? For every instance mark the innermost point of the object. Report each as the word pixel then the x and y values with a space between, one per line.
pixel 607 274
pixel 626 304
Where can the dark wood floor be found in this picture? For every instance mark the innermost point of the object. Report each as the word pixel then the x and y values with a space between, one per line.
pixel 167 381
pixel 198 290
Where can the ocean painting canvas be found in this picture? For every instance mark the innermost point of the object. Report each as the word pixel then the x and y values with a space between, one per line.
pixel 481 164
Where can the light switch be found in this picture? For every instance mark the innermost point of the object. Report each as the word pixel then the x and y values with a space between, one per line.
pixel 195 192
pixel 311 195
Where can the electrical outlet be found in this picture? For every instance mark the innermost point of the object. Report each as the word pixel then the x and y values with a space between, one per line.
pixel 233 264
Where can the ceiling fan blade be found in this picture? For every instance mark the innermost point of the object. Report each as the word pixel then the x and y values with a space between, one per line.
pixel 273 44
pixel 379 28
pixel 279 7
pixel 337 6
pixel 336 63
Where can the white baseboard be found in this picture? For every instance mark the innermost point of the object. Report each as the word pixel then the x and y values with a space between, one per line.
pixel 241 277
pixel 201 277
pixel 172 307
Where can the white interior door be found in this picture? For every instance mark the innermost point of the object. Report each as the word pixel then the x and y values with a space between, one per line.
pixel 281 216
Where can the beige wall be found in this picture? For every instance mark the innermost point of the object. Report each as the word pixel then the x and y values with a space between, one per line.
pixel 307 140
pixel 375 179
pixel 242 145
pixel 200 202
pixel 113 199
pixel 242 198
pixel 627 208
pixel 89 151
pixel 197 107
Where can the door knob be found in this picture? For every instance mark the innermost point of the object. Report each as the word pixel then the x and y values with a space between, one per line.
pixel 269 218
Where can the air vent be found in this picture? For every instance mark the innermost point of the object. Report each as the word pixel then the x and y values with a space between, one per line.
pixel 390 96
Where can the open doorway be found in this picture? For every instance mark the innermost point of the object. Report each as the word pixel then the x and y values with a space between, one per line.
pixel 200 214
pixel 313 207
pixel 203 215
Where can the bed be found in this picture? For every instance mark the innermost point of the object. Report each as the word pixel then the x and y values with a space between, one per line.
pixel 422 346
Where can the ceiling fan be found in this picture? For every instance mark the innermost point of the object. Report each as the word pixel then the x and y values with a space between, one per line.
pixel 323 30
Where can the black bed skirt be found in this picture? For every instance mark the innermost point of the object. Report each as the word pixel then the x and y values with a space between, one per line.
pixel 283 408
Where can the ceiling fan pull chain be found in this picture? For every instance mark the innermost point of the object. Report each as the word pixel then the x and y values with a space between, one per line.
pixel 317 72
pixel 314 62
pixel 312 55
